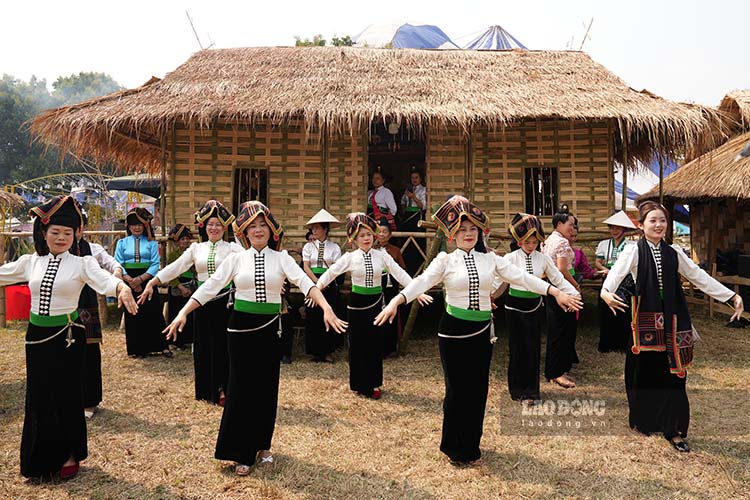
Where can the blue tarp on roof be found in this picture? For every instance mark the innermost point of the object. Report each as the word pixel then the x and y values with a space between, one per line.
pixel 421 37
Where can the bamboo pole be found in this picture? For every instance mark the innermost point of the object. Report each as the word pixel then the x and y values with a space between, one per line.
pixel 163 197
pixel 437 243
pixel 661 180
pixel 3 322
pixel 624 200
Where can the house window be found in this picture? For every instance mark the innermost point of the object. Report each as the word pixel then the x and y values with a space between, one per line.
pixel 540 187
pixel 249 184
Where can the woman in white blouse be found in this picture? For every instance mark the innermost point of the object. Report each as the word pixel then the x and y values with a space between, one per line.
pixel 663 337
pixel 524 308
pixel 210 357
pixel 254 331
pixel 54 428
pixel 468 275
pixel 366 267
pixel 317 256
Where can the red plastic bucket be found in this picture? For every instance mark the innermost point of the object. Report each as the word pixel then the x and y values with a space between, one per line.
pixel 17 302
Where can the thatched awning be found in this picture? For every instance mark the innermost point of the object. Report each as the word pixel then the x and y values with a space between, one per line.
pixel 737 105
pixel 344 88
pixel 10 199
pixel 716 174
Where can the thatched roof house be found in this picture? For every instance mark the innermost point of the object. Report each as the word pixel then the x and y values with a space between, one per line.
pixel 515 130
pixel 716 185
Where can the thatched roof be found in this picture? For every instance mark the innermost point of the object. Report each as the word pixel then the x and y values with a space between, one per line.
pixel 344 88
pixel 737 105
pixel 10 199
pixel 716 174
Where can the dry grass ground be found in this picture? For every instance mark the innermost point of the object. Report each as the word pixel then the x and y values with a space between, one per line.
pixel 152 440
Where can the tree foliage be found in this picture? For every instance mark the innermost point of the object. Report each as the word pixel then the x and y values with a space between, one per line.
pixel 20 101
pixel 319 41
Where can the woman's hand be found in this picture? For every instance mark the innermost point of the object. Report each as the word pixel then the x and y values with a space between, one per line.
pixel 739 307
pixel 614 302
pixel 147 292
pixel 176 326
pixel 333 322
pixel 424 299
pixel 184 291
pixel 390 311
pixel 309 302
pixel 125 298
pixel 569 303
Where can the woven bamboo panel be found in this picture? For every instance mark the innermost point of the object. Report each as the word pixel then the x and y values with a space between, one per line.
pixel 731 226
pixel 579 150
pixel 446 172
pixel 346 175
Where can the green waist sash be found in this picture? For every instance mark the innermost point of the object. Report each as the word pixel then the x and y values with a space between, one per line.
pixel 48 321
pixel 317 271
pixel 365 290
pixel 467 314
pixel 187 274
pixel 412 209
pixel 572 271
pixel 522 294
pixel 256 307
pixel 136 265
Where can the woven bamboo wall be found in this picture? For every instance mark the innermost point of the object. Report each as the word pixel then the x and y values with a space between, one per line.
pixel 580 151
pixel 731 223
pixel 446 159
pixel 486 165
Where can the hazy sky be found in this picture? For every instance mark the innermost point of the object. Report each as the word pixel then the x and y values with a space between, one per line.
pixel 685 50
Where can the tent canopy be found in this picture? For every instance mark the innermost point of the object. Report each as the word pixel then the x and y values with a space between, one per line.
pixel 404 36
pixel 494 38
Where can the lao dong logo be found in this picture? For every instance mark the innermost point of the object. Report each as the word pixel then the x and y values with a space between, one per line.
pixel 562 407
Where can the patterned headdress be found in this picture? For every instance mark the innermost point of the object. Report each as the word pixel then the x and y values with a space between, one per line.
pixel 448 217
pixel 524 226
pixel 213 208
pixel 140 215
pixel 60 210
pixel 179 231
pixel 249 211
pixel 355 220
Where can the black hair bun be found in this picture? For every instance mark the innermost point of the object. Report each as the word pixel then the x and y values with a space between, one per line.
pixel 563 209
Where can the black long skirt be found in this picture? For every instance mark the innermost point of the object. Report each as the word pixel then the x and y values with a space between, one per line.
pixel 561 340
pixel 657 399
pixel 466 369
pixel 143 331
pixel 524 346
pixel 210 354
pixel 319 342
pixel 391 331
pixel 174 304
pixel 249 417
pixel 412 258
pixel 92 376
pixel 54 428
pixel 365 343
pixel 614 331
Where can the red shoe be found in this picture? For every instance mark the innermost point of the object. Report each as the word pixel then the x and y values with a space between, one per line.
pixel 69 471
pixel 376 394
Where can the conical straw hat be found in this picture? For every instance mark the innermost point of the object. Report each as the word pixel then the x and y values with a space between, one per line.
pixel 621 219
pixel 323 217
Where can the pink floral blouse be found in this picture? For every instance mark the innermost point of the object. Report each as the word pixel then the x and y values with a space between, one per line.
pixel 556 245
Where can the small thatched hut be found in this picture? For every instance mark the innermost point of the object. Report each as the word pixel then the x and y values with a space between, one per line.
pixel 716 185
pixel 302 127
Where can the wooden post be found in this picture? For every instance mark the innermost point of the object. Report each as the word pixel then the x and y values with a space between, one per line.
pixel 3 322
pixel 437 243
pixel 624 200
pixel 163 197
pixel 661 179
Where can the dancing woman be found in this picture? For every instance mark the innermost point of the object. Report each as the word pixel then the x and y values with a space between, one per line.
pixel 210 357
pixel 54 429
pixel 468 275
pixel 253 333
pixel 523 306
pixel 366 267
pixel 663 337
